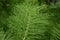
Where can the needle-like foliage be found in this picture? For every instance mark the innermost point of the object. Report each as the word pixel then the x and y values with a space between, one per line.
pixel 27 20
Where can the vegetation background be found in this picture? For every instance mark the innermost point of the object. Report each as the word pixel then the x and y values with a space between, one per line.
pixel 29 20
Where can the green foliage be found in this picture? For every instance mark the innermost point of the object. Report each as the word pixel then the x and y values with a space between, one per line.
pixel 26 20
